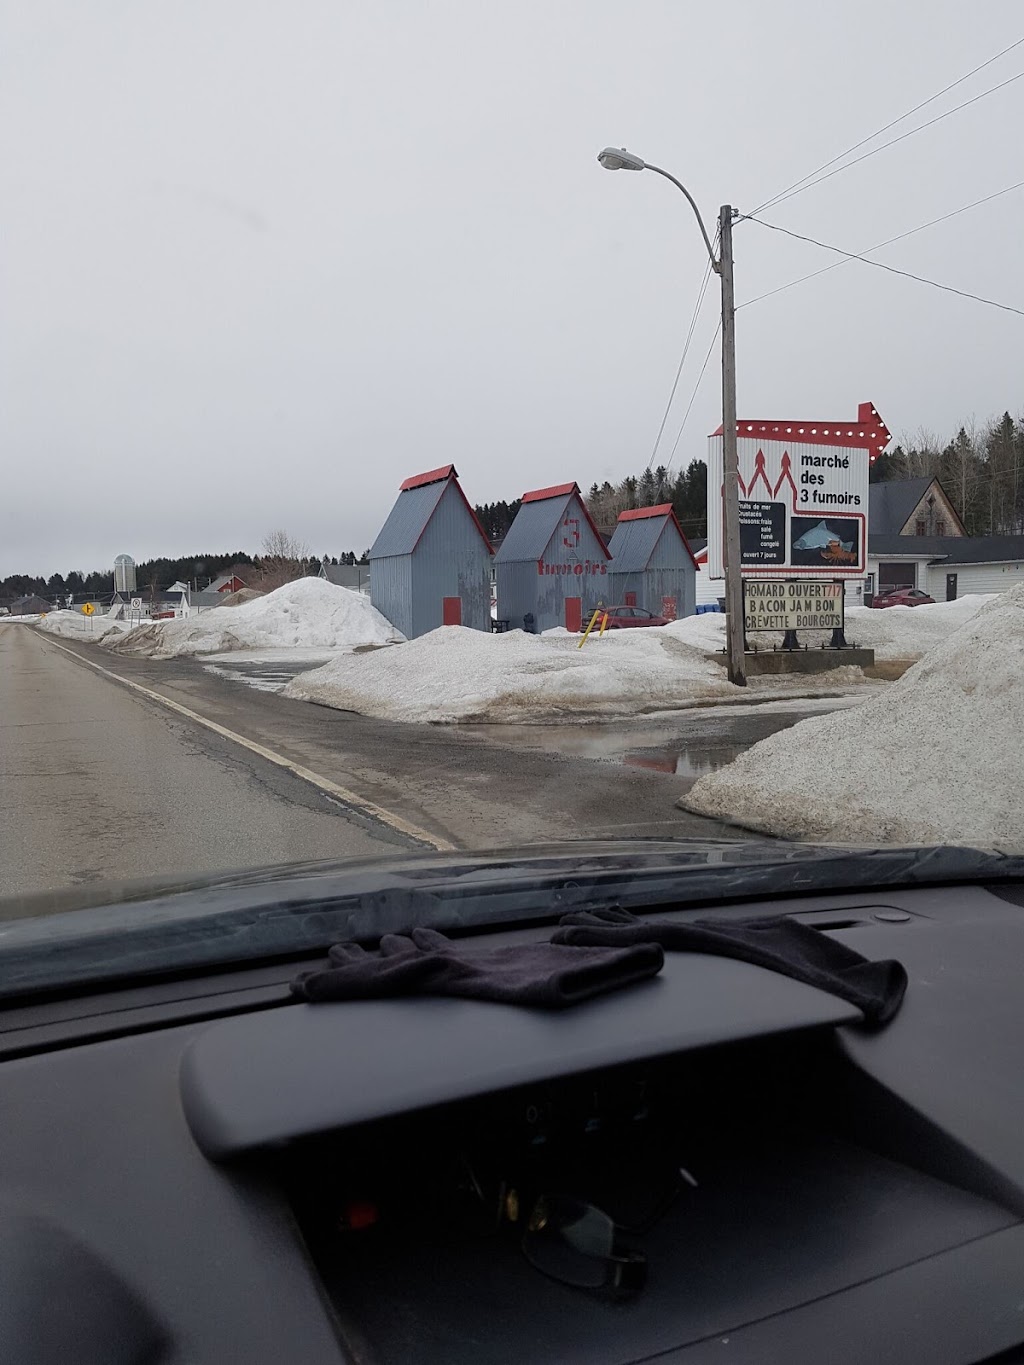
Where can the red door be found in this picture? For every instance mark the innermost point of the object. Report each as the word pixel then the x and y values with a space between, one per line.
pixel 629 599
pixel 451 611
pixel 668 608
pixel 573 613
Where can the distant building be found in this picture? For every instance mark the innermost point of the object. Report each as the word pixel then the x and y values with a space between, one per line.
pixel 652 564
pixel 551 563
pixel 354 576
pixel 430 563
pixel 124 574
pixel 30 605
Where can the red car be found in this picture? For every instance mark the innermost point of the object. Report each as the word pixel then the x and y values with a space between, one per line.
pixel 624 618
pixel 903 597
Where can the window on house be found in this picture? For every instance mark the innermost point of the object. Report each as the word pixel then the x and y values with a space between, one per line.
pixel 921 526
pixel 940 527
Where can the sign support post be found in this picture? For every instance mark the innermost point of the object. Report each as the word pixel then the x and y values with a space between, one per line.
pixel 730 461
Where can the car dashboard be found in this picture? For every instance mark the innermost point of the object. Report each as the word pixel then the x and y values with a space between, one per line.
pixel 206 1170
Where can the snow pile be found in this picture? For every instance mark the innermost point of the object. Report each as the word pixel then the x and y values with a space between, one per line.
pixel 457 674
pixel 79 627
pixel 310 613
pixel 936 758
pixel 892 632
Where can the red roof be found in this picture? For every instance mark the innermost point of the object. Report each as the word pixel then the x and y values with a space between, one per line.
pixel 662 510
pixel 431 476
pixel 558 491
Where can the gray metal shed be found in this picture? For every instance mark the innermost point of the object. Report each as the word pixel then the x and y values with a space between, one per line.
pixel 431 563
pixel 552 562
pixel 652 564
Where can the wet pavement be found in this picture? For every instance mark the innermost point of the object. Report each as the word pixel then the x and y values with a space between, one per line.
pixel 688 745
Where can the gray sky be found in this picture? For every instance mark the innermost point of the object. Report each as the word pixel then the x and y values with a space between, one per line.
pixel 263 260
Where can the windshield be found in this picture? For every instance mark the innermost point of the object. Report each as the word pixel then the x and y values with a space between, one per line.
pixel 385 481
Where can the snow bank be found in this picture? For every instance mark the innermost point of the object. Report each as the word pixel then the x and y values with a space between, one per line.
pixel 892 632
pixel 310 613
pixel 79 627
pixel 936 758
pixel 457 674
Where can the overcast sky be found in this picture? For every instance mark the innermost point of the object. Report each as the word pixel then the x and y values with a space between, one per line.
pixel 263 260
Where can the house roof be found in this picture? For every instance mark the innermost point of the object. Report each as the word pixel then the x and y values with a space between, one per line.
pixel 949 549
pixel 537 520
pixel 891 504
pixel 637 535
pixel 417 501
pixel 345 575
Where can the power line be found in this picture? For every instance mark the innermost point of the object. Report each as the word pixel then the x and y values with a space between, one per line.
pixel 693 395
pixel 878 247
pixel 885 128
pixel 682 360
pixel 782 198
pixel 891 269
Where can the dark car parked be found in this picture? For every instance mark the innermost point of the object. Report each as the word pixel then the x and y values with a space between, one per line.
pixel 903 597
pixel 625 618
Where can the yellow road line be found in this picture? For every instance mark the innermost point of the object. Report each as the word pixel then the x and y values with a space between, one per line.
pixel 370 808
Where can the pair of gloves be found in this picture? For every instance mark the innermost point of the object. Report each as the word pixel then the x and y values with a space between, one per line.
pixel 592 952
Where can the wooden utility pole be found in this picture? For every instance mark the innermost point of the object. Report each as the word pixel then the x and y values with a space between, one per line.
pixel 730 461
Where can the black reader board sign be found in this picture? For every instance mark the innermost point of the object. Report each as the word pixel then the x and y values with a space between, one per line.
pixel 762 533
pixel 795 605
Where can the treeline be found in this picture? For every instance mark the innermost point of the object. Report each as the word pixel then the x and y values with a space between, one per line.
pixel 156 575
pixel 981 469
pixel 687 491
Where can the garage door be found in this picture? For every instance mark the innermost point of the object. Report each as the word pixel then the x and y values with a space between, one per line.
pixel 896 575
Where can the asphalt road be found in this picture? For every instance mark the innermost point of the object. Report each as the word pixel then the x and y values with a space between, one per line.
pixel 101 782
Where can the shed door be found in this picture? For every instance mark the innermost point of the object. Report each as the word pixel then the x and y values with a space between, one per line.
pixel 629 599
pixel 573 613
pixel 668 608
pixel 451 611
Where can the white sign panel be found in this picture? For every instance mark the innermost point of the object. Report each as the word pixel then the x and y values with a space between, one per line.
pixel 798 604
pixel 803 496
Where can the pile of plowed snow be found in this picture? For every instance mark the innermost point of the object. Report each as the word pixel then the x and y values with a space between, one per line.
pixel 892 632
pixel 79 627
pixel 457 674
pixel 938 757
pixel 309 613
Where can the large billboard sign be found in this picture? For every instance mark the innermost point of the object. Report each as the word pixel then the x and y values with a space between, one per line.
pixel 803 496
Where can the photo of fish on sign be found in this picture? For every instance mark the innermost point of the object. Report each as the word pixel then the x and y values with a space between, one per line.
pixel 816 542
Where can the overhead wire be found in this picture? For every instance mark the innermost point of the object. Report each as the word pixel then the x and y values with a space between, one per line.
pixel 890 269
pixel 889 241
pixel 686 350
pixel 798 186
pixel 693 395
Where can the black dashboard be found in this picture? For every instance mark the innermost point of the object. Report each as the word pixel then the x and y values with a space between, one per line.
pixel 205 1170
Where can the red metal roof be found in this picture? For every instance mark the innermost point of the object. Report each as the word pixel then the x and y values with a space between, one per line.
pixel 663 509
pixel 636 513
pixel 558 491
pixel 431 476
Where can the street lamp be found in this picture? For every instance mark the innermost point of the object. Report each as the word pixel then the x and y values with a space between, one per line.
pixel 618 159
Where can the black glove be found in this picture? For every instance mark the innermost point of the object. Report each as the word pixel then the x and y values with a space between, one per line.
pixel 782 945
pixel 427 963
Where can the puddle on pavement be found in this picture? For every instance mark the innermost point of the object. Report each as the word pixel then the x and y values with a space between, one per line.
pixel 699 742
pixel 264 676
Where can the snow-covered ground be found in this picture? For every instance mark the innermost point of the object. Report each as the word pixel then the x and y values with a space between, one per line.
pixel 457 674
pixel 938 757
pixel 309 614
pixel 78 627
pixel 892 632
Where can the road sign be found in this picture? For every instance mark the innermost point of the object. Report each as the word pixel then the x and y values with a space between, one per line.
pixel 136 604
pixel 88 609
pixel 798 604
pixel 803 496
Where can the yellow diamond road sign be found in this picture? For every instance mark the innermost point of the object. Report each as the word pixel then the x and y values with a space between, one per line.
pixel 88 609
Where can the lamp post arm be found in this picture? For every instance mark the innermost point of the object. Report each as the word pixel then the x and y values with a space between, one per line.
pixel 715 264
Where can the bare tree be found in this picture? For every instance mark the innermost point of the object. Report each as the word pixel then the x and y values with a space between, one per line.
pixel 282 561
